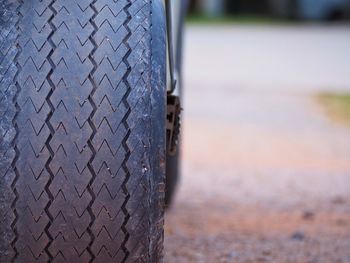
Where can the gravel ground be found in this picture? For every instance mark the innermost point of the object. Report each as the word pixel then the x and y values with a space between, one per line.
pixel 266 174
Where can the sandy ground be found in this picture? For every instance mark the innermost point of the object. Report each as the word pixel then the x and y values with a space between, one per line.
pixel 266 174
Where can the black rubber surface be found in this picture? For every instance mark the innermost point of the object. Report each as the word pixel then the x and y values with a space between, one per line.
pixel 8 90
pixel 82 131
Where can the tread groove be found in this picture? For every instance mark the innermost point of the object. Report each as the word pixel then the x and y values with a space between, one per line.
pixel 125 123
pixel 91 123
pixel 14 143
pixel 52 131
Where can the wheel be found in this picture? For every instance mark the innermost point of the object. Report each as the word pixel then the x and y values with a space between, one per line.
pixel 172 177
pixel 82 126
pixel 173 163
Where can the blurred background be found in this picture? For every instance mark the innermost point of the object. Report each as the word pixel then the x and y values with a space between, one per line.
pixel 283 9
pixel 266 134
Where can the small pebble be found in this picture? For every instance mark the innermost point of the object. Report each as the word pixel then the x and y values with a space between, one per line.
pixel 339 200
pixel 267 252
pixel 308 215
pixel 341 222
pixel 298 236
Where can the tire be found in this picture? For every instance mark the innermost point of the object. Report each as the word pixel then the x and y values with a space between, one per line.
pixel 82 125
pixel 172 177
pixel 173 162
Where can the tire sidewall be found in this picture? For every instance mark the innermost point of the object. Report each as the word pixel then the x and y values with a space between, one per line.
pixel 158 132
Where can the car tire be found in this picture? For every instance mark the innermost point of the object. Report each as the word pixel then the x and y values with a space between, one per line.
pixel 82 126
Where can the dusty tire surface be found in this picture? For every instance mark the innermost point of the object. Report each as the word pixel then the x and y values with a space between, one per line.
pixel 82 163
pixel 8 71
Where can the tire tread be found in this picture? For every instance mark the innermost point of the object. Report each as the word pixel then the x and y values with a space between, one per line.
pixel 76 175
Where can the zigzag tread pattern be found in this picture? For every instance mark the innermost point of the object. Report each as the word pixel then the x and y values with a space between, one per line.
pixel 110 132
pixel 71 131
pixel 82 154
pixel 138 121
pixel 121 141
pixel 8 90
pixel 33 154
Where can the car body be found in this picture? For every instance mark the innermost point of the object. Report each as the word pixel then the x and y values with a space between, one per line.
pixel 311 9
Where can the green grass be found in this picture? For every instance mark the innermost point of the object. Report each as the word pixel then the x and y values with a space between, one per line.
pixel 241 19
pixel 337 105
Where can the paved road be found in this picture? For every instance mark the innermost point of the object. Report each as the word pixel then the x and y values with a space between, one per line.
pixel 266 174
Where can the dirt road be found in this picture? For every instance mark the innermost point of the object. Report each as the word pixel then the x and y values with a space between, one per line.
pixel 266 174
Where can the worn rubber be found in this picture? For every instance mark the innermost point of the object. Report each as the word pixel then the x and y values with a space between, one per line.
pixel 82 125
pixel 8 90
